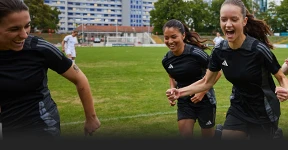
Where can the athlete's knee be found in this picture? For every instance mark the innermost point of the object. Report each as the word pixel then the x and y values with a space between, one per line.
pixel 218 131
pixel 233 134
pixel 278 134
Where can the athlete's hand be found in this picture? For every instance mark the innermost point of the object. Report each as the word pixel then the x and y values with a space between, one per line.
pixel 286 61
pixel 172 95
pixel 198 97
pixel 91 125
pixel 172 103
pixel 282 93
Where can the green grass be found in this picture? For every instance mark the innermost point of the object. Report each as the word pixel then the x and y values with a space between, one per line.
pixel 128 86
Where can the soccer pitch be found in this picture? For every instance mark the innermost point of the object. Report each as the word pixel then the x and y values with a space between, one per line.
pixel 128 86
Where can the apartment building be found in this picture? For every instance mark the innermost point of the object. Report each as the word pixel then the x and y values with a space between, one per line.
pixel 102 13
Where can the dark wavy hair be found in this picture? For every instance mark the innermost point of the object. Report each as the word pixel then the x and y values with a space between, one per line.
pixel 254 27
pixel 191 37
pixel 10 6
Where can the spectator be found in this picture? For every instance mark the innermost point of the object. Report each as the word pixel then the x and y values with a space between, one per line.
pixel 217 39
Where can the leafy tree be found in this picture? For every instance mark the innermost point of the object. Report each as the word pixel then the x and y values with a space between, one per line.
pixel 255 10
pixel 166 10
pixel 282 14
pixel 199 17
pixel 215 12
pixel 270 17
pixel 249 4
pixel 203 18
pixel 43 17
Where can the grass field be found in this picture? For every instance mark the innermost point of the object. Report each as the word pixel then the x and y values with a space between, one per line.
pixel 128 86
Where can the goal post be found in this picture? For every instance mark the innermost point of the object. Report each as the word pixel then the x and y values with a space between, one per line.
pixel 121 41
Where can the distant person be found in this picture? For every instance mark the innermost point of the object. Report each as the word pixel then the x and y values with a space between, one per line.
pixel 27 109
pixel 217 39
pixel 186 62
pixel 68 45
pixel 86 39
pixel 92 39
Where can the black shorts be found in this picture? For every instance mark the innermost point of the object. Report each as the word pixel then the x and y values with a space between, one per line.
pixel 205 113
pixel 254 131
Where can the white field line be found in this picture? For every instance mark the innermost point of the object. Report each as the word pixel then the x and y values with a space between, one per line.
pixel 129 117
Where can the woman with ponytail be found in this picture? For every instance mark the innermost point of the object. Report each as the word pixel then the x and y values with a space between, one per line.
pixel 186 62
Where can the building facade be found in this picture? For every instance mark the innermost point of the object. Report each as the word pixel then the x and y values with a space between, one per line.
pixel 264 4
pixel 102 13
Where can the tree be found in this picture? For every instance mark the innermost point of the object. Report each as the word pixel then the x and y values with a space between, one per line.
pixel 199 16
pixel 166 10
pixel 215 12
pixel 271 18
pixel 282 14
pixel 249 4
pixel 43 17
pixel 203 18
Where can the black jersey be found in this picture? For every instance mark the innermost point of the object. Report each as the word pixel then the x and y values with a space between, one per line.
pixel 188 68
pixel 249 69
pixel 25 99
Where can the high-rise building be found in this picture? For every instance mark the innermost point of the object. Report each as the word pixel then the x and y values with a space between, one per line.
pixel 264 4
pixel 102 13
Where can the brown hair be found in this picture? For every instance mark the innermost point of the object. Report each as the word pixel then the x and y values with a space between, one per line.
pixel 254 27
pixel 10 6
pixel 191 37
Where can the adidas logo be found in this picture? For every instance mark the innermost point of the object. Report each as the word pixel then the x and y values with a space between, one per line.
pixel 209 122
pixel 170 66
pixel 224 63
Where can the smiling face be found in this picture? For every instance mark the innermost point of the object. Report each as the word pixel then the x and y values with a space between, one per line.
pixel 232 23
pixel 14 29
pixel 173 39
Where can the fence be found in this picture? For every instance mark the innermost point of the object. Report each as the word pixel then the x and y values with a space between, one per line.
pixel 57 38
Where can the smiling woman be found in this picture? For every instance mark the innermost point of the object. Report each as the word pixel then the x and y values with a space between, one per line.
pixel 186 62
pixel 27 108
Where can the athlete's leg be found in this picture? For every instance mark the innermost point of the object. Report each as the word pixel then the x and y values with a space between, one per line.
pixel 186 118
pixel 218 131
pixel 73 55
pixel 68 53
pixel 186 127
pixel 278 134
pixel 73 59
pixel 208 133
pixel 262 131
pixel 233 134
pixel 234 128
pixel 206 117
